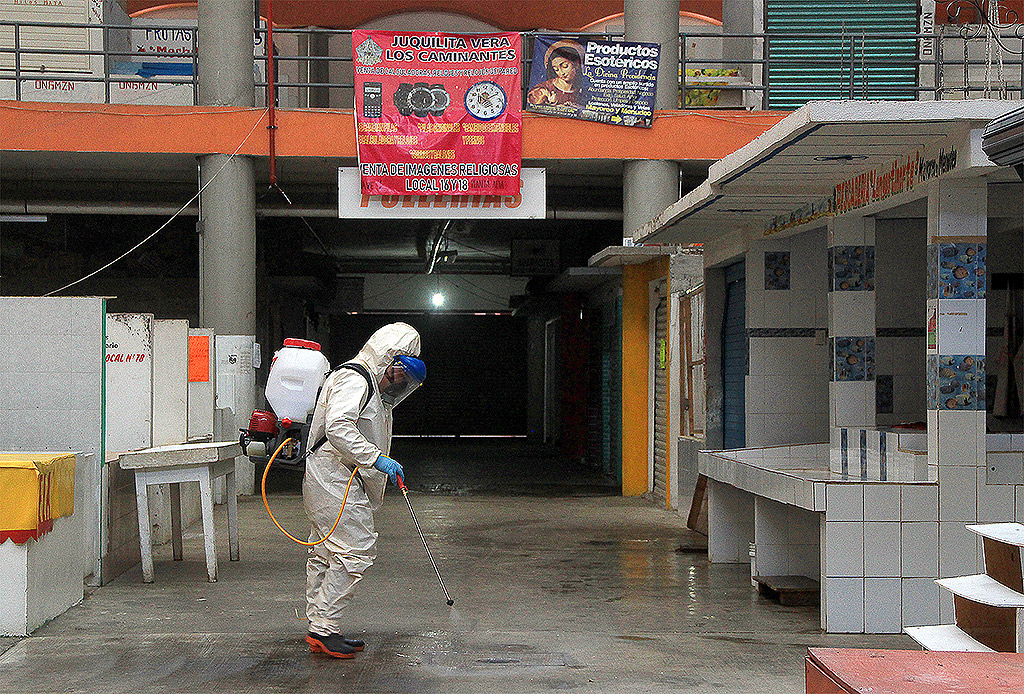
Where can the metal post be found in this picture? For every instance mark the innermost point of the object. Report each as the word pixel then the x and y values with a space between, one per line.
pixel 195 66
pixel 682 71
pixel 17 62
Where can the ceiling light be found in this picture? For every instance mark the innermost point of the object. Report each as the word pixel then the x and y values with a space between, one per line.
pixel 437 299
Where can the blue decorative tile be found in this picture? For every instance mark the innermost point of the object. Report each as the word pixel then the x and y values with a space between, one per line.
pixel 956 382
pixel 854 358
pixel 776 270
pixel 957 270
pixel 852 268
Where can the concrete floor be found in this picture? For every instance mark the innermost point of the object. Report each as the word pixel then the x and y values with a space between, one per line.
pixel 570 591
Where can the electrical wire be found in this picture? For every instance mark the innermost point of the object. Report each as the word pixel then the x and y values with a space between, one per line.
pixel 478 250
pixel 172 217
pixel 483 289
pixel 498 302
pixel 393 288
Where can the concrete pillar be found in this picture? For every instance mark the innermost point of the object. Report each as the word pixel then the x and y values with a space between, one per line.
pixel 226 75
pixel 651 186
pixel 228 209
pixel 851 328
pixel 955 345
pixel 227 206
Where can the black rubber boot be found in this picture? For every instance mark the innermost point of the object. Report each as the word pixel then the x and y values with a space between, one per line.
pixel 333 645
pixel 356 644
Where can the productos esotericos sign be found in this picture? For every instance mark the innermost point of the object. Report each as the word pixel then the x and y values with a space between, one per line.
pixel 604 81
pixel 438 114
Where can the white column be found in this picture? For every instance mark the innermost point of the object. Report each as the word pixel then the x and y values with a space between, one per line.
pixel 957 229
pixel 851 328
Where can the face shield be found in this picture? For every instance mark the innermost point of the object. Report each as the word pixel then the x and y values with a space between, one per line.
pixel 401 378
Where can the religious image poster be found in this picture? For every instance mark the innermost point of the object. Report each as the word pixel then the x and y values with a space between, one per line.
pixel 437 113
pixel 604 81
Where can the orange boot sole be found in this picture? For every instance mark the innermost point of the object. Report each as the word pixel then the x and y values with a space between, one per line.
pixel 316 646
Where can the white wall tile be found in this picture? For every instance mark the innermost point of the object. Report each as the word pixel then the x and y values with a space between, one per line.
pixel 757 401
pixel 882 557
pixel 851 313
pixel 882 501
pixel 920 602
pixel 803 527
pixel 802 309
pixel 958 492
pixel 958 550
pixel 845 502
pixel 771 521
pixel 995 501
pixel 960 329
pixel 998 442
pixel 947 614
pixel 844 605
pixel 844 549
pixel 883 606
pixel 919 549
pixel 1019 492
pixel 958 443
pixel 1004 468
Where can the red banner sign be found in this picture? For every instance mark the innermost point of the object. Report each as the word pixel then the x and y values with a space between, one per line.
pixel 438 114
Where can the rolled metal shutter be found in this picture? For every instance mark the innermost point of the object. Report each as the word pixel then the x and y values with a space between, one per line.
pixel 813 44
pixel 44 38
pixel 660 367
pixel 734 358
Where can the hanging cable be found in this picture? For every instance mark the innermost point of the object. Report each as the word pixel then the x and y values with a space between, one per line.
pixel 172 217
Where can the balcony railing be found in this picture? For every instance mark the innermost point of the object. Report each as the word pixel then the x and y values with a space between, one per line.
pixel 313 67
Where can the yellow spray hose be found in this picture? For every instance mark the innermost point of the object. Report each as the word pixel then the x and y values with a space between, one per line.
pixel 295 539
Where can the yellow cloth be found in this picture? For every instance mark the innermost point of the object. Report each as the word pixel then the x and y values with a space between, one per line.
pixel 35 488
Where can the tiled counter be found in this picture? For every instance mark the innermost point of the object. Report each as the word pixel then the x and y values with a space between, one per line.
pixel 872 544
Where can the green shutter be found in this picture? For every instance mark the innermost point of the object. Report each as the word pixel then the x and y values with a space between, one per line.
pixel 810 43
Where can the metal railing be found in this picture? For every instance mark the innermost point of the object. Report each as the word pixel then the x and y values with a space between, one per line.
pixel 746 70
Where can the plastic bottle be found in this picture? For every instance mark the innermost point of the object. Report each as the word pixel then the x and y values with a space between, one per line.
pixel 296 374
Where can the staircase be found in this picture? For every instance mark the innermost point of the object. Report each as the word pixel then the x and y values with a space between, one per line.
pixel 988 607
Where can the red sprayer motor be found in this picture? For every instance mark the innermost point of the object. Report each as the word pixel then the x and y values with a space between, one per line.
pixel 297 372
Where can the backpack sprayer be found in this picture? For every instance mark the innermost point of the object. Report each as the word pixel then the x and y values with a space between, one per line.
pixel 297 373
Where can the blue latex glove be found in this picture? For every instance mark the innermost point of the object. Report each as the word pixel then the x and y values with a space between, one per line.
pixel 389 467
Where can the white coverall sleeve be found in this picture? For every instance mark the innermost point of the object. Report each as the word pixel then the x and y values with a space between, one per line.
pixel 346 395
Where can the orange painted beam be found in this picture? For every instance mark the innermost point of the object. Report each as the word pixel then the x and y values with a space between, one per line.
pixel 51 127
pixel 521 15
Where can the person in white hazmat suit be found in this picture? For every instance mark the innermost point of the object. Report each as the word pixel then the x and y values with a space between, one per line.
pixel 353 411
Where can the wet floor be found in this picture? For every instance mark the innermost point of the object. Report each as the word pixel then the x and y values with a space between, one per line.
pixel 571 591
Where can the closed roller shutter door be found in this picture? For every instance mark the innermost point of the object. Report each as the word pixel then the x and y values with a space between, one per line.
pixel 660 397
pixel 809 54
pixel 42 38
pixel 734 358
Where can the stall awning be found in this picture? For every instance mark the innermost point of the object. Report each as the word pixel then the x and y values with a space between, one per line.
pixel 1003 139
pixel 35 488
pixel 789 175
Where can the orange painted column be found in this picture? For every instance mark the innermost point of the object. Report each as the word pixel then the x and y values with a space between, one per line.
pixel 635 357
pixel 636 372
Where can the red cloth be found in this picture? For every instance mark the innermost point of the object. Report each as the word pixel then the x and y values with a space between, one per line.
pixel 20 537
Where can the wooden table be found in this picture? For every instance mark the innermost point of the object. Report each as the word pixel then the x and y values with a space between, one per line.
pixel 193 462
pixel 860 671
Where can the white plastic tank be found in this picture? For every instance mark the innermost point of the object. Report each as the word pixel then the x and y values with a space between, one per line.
pixel 296 374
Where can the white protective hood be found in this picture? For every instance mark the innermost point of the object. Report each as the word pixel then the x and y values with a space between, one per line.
pixel 388 342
